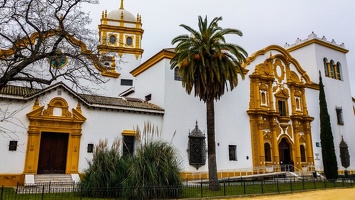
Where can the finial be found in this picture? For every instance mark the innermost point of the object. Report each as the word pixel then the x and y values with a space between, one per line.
pixel 121 7
pixel 36 104
pixel 78 107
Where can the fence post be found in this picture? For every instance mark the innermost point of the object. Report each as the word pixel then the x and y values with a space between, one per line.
pixel 303 182
pixel 42 192
pixel 334 183
pixel 277 185
pixel 81 191
pixel 49 187
pixel 224 188
pixel 262 186
pixel 291 184
pixel 201 190
pixel 2 192
pixel 314 183
pixel 244 187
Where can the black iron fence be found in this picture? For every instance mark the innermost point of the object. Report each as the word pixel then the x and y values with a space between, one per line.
pixel 198 189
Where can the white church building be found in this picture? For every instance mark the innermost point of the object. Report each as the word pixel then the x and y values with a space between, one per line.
pixel 270 119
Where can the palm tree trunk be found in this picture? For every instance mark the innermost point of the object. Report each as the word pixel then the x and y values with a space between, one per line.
pixel 212 164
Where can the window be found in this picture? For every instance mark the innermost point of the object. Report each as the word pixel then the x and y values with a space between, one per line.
pixel 13 145
pixel 298 103
pixel 129 41
pixel 339 111
pixel 177 76
pixel 232 152
pixel 337 71
pixel 303 153
pixel 90 148
pixel 148 97
pixel 267 150
pixel 127 82
pixel 112 39
pixel 282 107
pixel 325 62
pixel 331 69
pixel 128 145
pixel 263 98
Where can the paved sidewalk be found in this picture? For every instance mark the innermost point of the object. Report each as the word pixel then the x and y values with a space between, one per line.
pixel 326 194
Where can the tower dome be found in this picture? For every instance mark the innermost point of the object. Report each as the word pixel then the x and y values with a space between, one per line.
pixel 121 14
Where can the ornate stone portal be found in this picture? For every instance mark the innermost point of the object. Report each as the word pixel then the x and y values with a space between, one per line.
pixel 55 119
pixel 278 111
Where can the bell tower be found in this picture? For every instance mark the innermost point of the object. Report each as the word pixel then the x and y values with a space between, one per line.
pixel 120 36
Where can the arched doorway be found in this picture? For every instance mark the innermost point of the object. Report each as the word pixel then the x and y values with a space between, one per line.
pixel 284 153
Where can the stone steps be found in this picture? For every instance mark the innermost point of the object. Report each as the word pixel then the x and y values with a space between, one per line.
pixel 40 179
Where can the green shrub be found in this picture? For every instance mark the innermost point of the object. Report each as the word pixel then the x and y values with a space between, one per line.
pixel 153 173
pixel 107 169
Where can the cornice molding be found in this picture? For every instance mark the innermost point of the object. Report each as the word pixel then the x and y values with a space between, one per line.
pixel 152 61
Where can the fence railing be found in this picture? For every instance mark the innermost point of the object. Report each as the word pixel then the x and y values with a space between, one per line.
pixel 306 170
pixel 229 187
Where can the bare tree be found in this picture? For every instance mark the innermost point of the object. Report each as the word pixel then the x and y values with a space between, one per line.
pixel 44 41
pixel 8 116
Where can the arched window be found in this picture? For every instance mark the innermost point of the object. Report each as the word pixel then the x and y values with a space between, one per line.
pixel 298 103
pixel 129 41
pixel 303 153
pixel 267 150
pixel 338 71
pixel 331 69
pixel 263 98
pixel 325 62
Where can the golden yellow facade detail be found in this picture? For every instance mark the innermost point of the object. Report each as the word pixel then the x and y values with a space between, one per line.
pixel 46 120
pixel 277 108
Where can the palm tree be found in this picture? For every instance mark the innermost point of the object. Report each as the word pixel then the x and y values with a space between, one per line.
pixel 209 65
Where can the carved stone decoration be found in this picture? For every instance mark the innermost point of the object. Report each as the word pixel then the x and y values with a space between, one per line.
pixel 279 70
pixel 42 120
pixel 196 148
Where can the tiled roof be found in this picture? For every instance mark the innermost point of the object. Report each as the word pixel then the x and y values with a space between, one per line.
pixel 127 103
pixel 18 90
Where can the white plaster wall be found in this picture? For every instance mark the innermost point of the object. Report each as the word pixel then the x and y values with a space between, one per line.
pixel 312 100
pixel 181 113
pixel 151 82
pixel 12 162
pixel 108 124
pixel 338 93
pixel 231 120
pixel 233 127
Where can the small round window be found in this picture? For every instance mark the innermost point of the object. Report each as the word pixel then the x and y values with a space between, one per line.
pixel 113 39
pixel 129 41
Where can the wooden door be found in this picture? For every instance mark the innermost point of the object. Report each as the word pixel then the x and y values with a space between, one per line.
pixel 284 153
pixel 53 153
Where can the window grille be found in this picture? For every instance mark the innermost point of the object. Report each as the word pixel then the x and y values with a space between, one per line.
pixel 197 148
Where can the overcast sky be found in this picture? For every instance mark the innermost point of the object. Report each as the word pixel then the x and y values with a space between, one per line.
pixel 262 22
